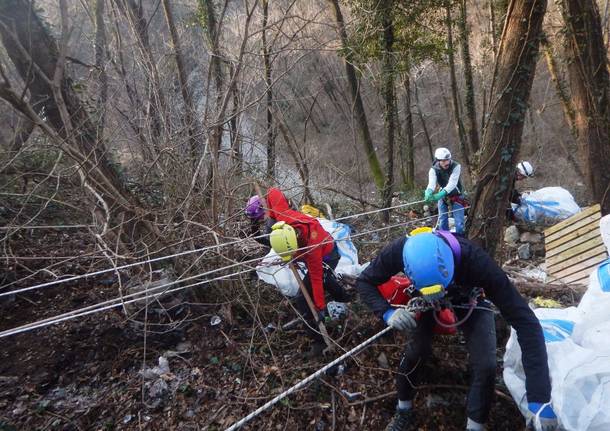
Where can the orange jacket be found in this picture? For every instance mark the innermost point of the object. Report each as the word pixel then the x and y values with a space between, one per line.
pixel 310 233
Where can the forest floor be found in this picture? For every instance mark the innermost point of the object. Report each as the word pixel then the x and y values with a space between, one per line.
pixel 87 374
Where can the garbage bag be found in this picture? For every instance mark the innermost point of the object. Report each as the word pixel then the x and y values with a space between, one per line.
pixel 546 206
pixel 281 276
pixel 578 346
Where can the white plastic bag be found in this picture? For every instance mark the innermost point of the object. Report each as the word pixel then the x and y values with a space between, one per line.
pixel 281 276
pixel 546 206
pixel 578 347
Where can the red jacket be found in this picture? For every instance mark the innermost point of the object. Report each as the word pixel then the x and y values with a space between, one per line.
pixel 310 233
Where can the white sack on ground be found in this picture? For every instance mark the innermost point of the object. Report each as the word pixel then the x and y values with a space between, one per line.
pixel 546 206
pixel 282 277
pixel 578 346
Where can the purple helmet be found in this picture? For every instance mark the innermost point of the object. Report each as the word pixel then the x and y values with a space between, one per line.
pixel 254 208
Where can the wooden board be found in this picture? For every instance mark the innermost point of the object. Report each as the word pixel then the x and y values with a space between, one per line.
pixel 574 247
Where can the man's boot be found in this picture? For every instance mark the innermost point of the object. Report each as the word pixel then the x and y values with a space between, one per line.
pixel 402 420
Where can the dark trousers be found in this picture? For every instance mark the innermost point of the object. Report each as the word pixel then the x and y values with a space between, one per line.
pixel 331 286
pixel 480 333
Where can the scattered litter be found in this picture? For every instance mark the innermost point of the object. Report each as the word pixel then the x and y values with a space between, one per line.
pixel 539 301
pixel 161 369
pixel 215 320
pixel 270 327
pixel 127 419
pixel 382 360
pixel 351 396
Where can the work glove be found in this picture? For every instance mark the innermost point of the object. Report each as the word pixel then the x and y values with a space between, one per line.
pixel 428 195
pixel 440 195
pixel 400 319
pixel 542 417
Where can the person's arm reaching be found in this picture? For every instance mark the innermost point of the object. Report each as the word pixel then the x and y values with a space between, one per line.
pixel 381 269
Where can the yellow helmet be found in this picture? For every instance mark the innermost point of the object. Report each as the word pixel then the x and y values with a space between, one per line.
pixel 283 240
pixel 417 231
pixel 310 210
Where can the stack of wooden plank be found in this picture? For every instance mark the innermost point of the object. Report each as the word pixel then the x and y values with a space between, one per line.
pixel 574 247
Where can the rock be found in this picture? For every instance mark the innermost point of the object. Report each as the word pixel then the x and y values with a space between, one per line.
pixel 436 401
pixel 511 235
pixel 524 252
pixel 530 237
pixel 382 360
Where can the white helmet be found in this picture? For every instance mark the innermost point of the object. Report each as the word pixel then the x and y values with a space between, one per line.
pixel 525 168
pixel 442 154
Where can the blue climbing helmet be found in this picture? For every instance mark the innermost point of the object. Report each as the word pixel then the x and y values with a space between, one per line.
pixel 428 261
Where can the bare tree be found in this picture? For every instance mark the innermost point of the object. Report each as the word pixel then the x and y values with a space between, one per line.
pixel 471 111
pixel 388 77
pixel 55 107
pixel 457 118
pixel 100 65
pixel 589 82
pixel 515 68
pixel 189 110
pixel 358 106
pixel 269 93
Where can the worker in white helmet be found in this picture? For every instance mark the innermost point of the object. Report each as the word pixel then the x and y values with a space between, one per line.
pixel 445 173
pixel 524 170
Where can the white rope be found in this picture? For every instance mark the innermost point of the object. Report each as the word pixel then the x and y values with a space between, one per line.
pixel 183 253
pixel 71 226
pixel 104 271
pixel 306 380
pixel 115 302
pixel 379 210
pixel 52 321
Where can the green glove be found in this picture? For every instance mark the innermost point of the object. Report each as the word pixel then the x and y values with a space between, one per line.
pixel 440 195
pixel 428 195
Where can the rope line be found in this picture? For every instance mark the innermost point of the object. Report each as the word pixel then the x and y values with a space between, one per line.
pixel 70 316
pixel 115 302
pixel 183 253
pixel 306 380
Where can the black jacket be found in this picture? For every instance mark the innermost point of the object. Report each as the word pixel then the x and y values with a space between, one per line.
pixel 255 230
pixel 476 269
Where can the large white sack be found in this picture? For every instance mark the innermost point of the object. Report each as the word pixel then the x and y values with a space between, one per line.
pixel 604 227
pixel 281 276
pixel 546 206
pixel 578 346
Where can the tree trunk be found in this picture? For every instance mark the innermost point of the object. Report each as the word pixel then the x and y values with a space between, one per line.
pixel 492 30
pixel 562 91
pixel 359 112
pixel 189 110
pixel 388 74
pixel 407 153
pixel 422 119
pixel 457 118
pixel 100 66
pixel 156 105
pixel 268 89
pixel 589 83
pixel 516 66
pixel 471 111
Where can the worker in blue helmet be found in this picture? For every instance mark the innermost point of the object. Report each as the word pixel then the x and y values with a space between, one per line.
pixel 451 271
